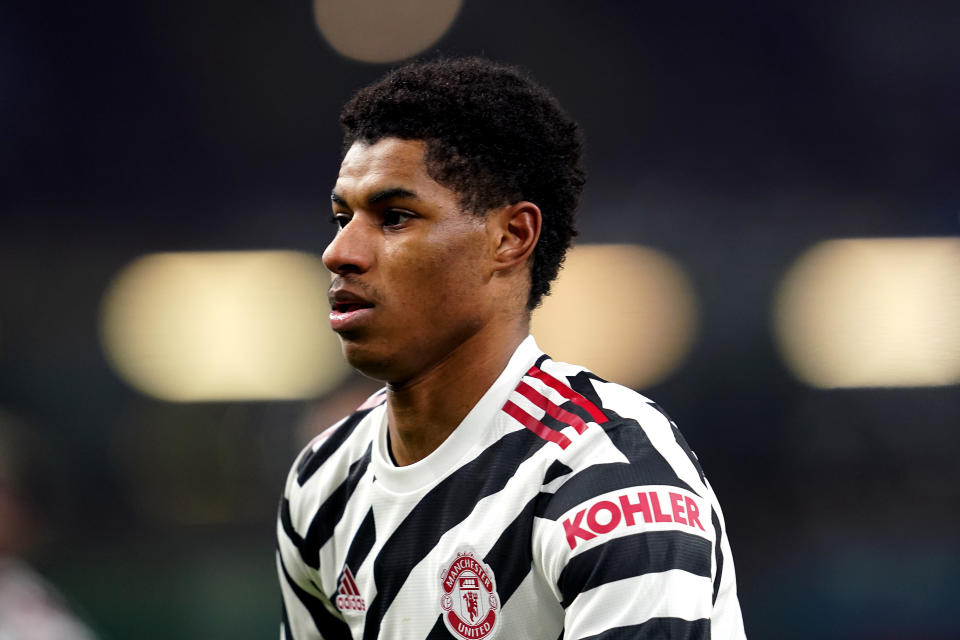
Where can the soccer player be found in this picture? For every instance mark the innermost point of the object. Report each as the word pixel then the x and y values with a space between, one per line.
pixel 487 491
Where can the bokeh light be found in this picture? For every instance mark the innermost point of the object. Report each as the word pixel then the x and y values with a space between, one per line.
pixel 246 325
pixel 882 312
pixel 626 312
pixel 383 30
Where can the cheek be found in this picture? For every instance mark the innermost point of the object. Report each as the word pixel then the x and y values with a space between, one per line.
pixel 439 274
pixel 461 265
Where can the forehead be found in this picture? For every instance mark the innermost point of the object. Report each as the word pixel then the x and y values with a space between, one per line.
pixel 388 162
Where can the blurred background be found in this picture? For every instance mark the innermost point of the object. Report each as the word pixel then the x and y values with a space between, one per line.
pixel 773 208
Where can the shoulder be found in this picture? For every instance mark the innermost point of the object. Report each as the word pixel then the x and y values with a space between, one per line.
pixel 629 470
pixel 625 427
pixel 327 459
pixel 625 512
pixel 605 437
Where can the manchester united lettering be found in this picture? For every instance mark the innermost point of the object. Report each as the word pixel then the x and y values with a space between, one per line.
pixel 468 601
pixel 632 508
pixel 465 563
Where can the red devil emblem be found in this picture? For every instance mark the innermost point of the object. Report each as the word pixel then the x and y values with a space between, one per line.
pixel 468 598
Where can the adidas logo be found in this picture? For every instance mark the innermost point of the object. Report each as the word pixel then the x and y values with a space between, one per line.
pixel 348 596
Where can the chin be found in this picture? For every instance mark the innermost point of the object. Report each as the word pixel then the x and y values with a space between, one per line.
pixel 371 362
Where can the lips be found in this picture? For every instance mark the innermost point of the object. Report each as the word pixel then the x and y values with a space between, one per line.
pixel 348 309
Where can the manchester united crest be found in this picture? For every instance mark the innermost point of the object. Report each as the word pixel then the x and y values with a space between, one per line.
pixel 468 598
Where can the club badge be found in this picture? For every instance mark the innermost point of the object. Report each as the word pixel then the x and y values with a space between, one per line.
pixel 468 598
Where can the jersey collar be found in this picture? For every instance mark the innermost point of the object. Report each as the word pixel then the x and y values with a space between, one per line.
pixel 466 440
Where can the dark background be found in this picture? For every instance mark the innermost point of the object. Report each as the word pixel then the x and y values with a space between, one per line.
pixel 731 135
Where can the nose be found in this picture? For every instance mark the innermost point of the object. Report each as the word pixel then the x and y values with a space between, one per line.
pixel 350 251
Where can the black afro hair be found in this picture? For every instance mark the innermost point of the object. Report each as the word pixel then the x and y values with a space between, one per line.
pixel 493 135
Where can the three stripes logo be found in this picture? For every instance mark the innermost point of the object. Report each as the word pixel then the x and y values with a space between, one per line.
pixel 348 596
pixel 541 415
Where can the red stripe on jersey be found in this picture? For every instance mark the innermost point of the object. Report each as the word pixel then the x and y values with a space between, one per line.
pixel 535 425
pixel 567 393
pixel 347 585
pixel 553 410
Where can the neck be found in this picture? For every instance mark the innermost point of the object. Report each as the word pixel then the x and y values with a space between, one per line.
pixel 422 412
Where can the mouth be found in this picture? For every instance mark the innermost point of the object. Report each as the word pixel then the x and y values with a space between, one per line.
pixel 349 307
pixel 348 311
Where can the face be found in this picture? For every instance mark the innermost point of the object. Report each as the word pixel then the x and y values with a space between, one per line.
pixel 409 266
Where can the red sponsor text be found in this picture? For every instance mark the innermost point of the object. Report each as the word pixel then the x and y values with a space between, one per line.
pixel 603 516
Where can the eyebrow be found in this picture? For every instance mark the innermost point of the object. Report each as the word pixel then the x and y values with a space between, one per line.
pixel 379 196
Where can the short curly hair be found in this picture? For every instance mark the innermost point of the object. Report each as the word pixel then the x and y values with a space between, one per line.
pixel 492 134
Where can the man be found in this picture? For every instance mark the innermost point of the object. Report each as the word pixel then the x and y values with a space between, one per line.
pixel 487 491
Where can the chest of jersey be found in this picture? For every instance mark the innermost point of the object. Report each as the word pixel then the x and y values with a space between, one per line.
pixel 453 560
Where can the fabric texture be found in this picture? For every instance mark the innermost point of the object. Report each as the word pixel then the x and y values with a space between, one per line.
pixel 563 506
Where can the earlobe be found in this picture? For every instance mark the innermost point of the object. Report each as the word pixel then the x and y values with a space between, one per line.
pixel 517 228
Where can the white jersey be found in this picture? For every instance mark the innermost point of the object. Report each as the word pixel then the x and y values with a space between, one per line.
pixel 563 506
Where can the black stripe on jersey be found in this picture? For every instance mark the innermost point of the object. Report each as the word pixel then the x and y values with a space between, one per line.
pixel 611 476
pixel 439 631
pixel 681 441
pixel 313 460
pixel 511 557
pixel 580 412
pixel 443 508
pixel 581 383
pixel 557 425
pixel 361 544
pixel 285 623
pixel 586 376
pixel 631 556
pixel 660 410
pixel 716 545
pixel 581 375
pixel 329 625
pixel 686 449
pixel 287 523
pixel 330 512
pixel 630 438
pixel 657 628
pixel 555 470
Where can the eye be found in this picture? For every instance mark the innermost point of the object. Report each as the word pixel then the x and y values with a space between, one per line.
pixel 340 219
pixel 396 217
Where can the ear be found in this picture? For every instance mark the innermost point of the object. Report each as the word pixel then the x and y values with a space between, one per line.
pixel 513 231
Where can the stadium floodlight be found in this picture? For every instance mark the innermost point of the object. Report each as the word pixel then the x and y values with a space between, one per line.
pixel 228 325
pixel 627 312
pixel 873 312
pixel 383 30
